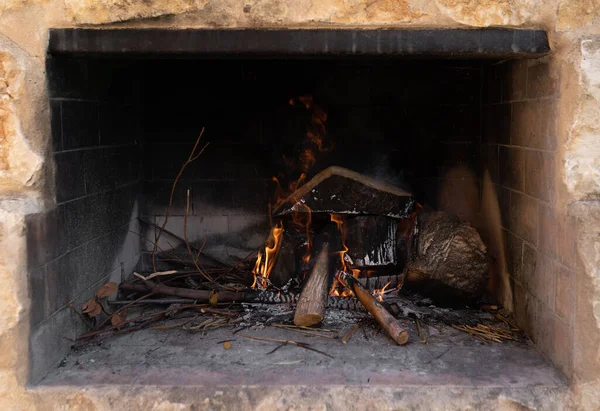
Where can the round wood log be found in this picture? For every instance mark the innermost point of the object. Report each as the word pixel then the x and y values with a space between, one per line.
pixel 378 311
pixel 313 299
pixel 449 262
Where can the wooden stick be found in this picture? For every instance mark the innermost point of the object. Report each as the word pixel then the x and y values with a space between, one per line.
pixel 286 342
pixel 252 296
pixel 313 299
pixel 351 331
pixel 378 311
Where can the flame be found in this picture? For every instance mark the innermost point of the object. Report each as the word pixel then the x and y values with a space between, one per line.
pixel 335 287
pixel 380 292
pixel 265 262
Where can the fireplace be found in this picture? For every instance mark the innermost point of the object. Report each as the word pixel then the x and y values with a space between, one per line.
pixel 439 114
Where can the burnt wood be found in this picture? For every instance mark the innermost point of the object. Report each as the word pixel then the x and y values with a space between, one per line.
pixel 447 43
pixel 341 191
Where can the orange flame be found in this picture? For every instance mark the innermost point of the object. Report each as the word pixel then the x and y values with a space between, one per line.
pixel 336 286
pixel 379 293
pixel 265 262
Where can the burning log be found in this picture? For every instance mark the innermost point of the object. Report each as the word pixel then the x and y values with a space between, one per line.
pixel 313 298
pixel 341 191
pixel 449 261
pixel 378 311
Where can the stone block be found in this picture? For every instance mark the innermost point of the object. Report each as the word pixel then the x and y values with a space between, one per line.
pixel 563 347
pixel 539 174
pixel 529 266
pixel 542 81
pixel 515 82
pixel 567 241
pixel 252 196
pixel 37 294
pixel 210 228
pixel 80 124
pixel 565 294
pixel 497 123
pixel 543 282
pixel 511 161
pixel 545 331
pixel 549 231
pixel 525 127
pixel 493 76
pixel 48 342
pixel 119 124
pixel 93 216
pixel 109 168
pixel 69 176
pixel 514 255
pixel 549 127
pixel 523 217
pixel 526 307
pixel 46 237
pixel 67 77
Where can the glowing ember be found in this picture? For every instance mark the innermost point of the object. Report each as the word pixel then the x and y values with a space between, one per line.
pixel 265 262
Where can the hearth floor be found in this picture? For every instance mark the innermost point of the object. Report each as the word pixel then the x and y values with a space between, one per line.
pixel 175 357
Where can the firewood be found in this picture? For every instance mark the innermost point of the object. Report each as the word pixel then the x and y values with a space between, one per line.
pixel 378 311
pixel 450 262
pixel 342 191
pixel 313 299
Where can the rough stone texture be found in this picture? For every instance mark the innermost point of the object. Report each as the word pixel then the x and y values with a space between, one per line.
pixel 14 309
pixel 576 14
pixel 105 11
pixel 25 118
pixel 489 12
pixel 582 176
pixel 19 165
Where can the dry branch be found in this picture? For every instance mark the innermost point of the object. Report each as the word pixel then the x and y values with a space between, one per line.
pixel 383 317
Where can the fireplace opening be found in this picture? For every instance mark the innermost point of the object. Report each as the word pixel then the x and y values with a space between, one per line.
pixel 358 162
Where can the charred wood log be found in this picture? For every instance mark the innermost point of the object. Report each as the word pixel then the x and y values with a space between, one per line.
pixel 449 261
pixel 341 191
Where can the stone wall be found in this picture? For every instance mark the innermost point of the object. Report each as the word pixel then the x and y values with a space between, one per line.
pixel 27 167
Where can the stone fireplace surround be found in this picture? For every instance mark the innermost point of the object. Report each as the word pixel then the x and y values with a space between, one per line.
pixel 550 224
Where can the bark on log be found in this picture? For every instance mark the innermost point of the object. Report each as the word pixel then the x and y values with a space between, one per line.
pixel 378 311
pixel 450 262
pixel 313 298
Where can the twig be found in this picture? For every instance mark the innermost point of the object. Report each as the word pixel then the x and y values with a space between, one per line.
pixel 156 274
pixel 155 301
pixel 143 297
pixel 94 333
pixel 333 337
pixel 352 330
pixel 193 156
pixel 286 342
pixel 169 326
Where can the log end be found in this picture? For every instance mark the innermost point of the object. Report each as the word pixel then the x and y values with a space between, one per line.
pixel 401 338
pixel 306 320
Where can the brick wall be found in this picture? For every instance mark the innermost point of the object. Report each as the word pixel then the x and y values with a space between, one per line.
pixel 520 149
pixel 85 240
